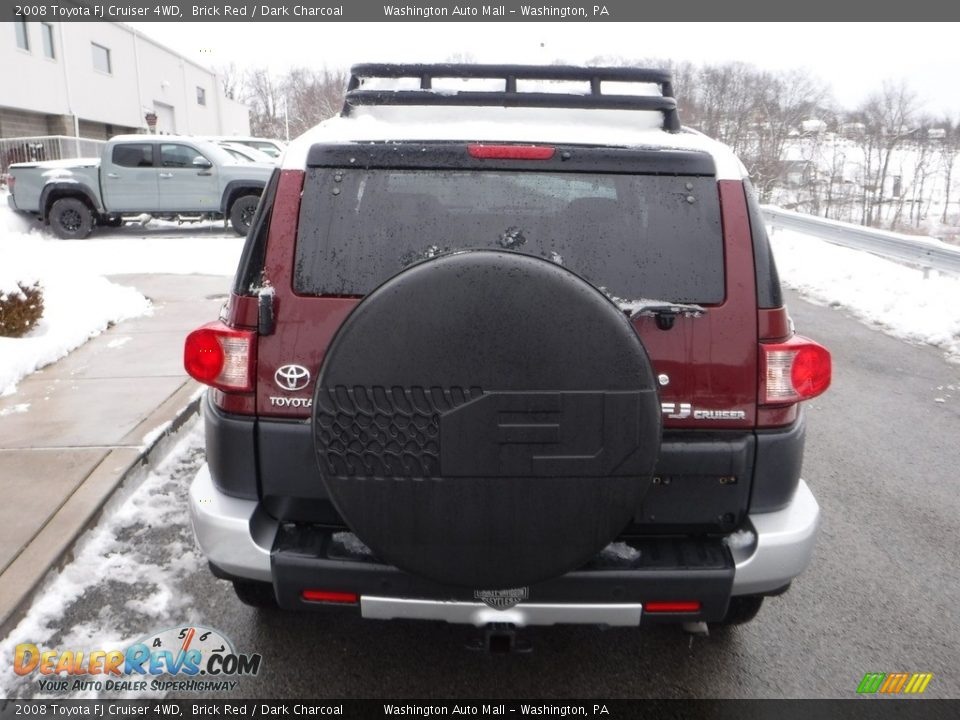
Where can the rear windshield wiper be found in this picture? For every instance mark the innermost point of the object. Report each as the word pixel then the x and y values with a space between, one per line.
pixel 663 311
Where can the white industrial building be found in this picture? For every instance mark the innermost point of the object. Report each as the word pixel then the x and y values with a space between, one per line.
pixel 95 80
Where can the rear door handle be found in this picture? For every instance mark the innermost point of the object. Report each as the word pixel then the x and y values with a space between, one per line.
pixel 112 175
pixel 204 173
pixel 166 176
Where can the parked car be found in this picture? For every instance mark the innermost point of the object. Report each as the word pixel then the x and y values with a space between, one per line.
pixel 246 153
pixel 273 148
pixel 163 175
pixel 507 358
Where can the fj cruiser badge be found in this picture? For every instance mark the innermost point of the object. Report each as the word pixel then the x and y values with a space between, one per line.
pixel 291 377
pixel 501 599
pixel 681 411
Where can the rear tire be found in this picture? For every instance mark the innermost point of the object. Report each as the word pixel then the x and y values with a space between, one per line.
pixel 742 609
pixel 242 212
pixel 255 594
pixel 71 219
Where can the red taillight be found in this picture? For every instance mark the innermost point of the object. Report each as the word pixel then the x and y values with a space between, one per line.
pixel 330 596
pixel 221 357
pixel 796 370
pixel 10 182
pixel 672 606
pixel 510 152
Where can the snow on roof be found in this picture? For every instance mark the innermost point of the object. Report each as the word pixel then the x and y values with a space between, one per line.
pixel 621 128
pixel 151 138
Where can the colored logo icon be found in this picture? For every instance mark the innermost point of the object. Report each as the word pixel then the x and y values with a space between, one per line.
pixel 894 683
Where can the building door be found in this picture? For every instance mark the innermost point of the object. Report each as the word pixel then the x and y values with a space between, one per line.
pixel 166 119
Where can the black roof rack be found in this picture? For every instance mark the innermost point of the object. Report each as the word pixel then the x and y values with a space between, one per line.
pixel 509 97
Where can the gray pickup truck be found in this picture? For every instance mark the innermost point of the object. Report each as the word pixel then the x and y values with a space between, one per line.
pixel 164 176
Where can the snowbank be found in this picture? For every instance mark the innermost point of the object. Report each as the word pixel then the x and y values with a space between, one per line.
pixel 76 308
pixel 896 298
pixel 79 302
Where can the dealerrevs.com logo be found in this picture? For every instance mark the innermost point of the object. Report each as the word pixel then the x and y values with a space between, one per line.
pixel 185 659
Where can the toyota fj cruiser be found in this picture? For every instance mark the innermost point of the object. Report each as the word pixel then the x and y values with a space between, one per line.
pixel 506 347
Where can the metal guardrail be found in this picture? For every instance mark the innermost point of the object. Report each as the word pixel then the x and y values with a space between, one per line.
pixel 919 251
pixel 46 147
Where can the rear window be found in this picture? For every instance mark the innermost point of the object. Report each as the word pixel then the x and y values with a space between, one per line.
pixel 637 236
pixel 133 155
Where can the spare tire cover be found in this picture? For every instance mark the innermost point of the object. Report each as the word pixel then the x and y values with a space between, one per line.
pixel 486 419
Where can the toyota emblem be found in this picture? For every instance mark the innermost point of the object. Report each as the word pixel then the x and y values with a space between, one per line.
pixel 291 377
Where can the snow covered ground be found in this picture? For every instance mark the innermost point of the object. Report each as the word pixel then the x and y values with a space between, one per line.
pixel 79 302
pixel 893 297
pixel 158 247
pixel 131 567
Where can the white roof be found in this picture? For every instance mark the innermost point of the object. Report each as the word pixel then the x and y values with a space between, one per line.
pixel 243 139
pixel 150 137
pixel 621 128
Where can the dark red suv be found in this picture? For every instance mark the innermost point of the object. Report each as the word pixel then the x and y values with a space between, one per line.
pixel 507 346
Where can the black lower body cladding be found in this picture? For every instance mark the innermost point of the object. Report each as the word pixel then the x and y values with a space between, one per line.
pixel 486 419
pixel 641 569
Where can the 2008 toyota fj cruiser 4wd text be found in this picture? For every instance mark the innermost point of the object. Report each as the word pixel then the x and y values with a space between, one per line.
pixel 514 356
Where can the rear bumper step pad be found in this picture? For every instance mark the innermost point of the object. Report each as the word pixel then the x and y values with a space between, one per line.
pixel 610 589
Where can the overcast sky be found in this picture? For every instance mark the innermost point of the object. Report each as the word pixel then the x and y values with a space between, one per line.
pixel 854 58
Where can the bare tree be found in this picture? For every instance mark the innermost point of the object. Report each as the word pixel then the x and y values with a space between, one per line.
pixel 922 149
pixel 264 95
pixel 723 103
pixel 780 103
pixel 312 96
pixel 231 80
pixel 837 197
pixel 847 165
pixel 948 151
pixel 888 117
pixel 294 101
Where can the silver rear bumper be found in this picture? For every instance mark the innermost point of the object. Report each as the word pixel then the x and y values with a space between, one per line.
pixel 234 534
pixel 237 536
pixel 782 548
pixel 468 613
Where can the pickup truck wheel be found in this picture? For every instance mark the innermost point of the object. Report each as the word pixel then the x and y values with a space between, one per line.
pixel 486 419
pixel 255 594
pixel 71 219
pixel 242 212
pixel 742 609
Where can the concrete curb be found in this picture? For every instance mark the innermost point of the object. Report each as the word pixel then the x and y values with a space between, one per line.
pixel 53 546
